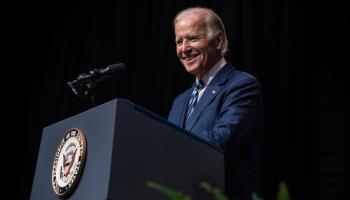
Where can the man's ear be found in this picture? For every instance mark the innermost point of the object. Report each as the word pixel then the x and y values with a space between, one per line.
pixel 219 40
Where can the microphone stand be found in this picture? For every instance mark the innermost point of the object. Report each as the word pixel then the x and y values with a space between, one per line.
pixel 85 89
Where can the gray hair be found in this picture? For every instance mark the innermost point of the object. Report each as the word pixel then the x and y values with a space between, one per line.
pixel 213 21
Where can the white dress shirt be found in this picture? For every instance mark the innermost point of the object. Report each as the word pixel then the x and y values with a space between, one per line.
pixel 210 75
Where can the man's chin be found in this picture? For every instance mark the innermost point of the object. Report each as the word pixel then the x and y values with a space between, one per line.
pixel 194 72
pixel 191 68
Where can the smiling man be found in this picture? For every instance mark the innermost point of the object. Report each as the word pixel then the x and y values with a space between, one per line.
pixel 224 105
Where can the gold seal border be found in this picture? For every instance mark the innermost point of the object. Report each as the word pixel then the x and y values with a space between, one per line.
pixel 80 170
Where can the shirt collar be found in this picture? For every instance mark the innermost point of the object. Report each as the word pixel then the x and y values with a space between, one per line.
pixel 213 71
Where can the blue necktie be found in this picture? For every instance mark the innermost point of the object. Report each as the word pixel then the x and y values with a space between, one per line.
pixel 194 97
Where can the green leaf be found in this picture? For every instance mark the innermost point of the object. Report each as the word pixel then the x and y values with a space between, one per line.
pixel 170 193
pixel 283 193
pixel 256 197
pixel 216 192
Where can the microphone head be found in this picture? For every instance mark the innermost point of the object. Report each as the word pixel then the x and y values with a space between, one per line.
pixel 117 69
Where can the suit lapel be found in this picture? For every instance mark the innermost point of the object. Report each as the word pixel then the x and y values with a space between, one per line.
pixel 214 87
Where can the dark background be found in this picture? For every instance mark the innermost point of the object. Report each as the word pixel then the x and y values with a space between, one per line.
pixel 295 48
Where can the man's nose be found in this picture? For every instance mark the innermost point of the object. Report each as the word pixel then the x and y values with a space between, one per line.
pixel 186 47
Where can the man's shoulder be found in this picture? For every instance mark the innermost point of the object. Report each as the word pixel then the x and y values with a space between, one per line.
pixel 243 76
pixel 237 76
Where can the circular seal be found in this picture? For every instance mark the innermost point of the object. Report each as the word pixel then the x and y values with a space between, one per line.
pixel 68 162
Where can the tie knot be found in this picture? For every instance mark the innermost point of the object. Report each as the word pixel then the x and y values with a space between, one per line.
pixel 199 84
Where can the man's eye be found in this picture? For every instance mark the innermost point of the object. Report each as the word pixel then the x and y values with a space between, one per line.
pixel 193 39
pixel 179 42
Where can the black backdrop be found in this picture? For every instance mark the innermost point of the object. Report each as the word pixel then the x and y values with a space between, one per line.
pixel 294 48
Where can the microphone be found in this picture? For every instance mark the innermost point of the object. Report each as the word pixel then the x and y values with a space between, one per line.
pixel 111 71
pixel 88 81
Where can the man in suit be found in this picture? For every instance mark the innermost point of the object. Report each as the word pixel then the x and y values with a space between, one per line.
pixel 224 105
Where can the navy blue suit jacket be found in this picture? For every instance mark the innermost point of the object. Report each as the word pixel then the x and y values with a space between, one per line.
pixel 229 115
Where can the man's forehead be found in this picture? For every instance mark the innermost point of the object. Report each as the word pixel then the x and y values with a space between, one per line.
pixel 188 25
pixel 193 18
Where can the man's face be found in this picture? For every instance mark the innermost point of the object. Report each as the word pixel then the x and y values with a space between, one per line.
pixel 196 51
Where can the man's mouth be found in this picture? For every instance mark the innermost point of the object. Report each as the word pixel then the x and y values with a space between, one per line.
pixel 189 58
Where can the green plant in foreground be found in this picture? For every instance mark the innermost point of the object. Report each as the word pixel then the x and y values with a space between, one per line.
pixel 170 193
pixel 256 197
pixel 216 192
pixel 282 193
pixel 174 195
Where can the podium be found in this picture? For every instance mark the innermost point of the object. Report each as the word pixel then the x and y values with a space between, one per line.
pixel 126 146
